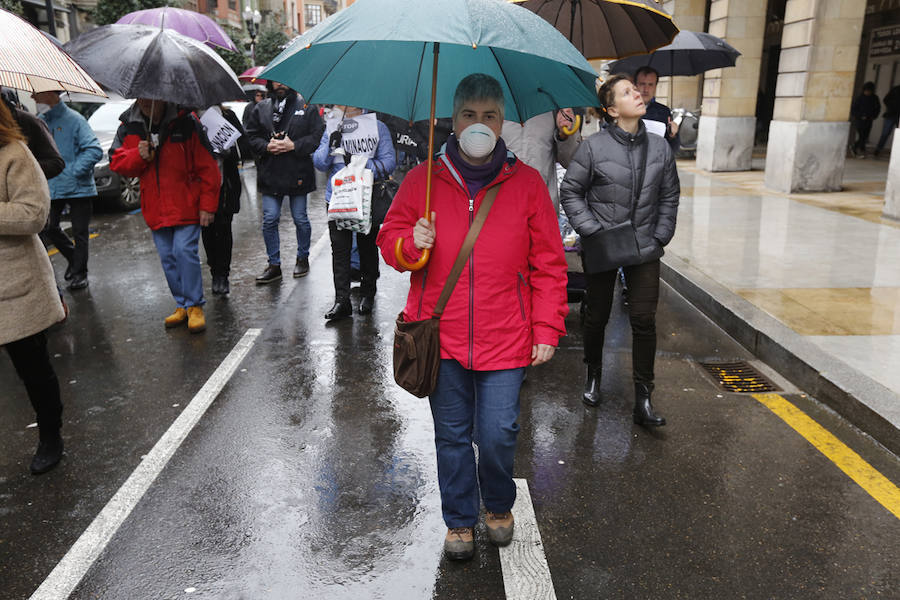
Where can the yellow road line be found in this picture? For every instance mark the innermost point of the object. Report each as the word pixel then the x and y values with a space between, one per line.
pixel 877 485
pixel 55 251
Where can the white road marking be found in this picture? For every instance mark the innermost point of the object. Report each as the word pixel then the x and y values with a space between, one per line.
pixel 73 566
pixel 320 244
pixel 526 575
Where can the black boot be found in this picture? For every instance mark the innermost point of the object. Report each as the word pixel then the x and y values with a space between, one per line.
pixel 591 395
pixel 643 410
pixel 49 453
pixel 341 310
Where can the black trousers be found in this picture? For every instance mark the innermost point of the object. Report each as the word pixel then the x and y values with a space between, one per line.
pixel 32 362
pixel 863 129
pixel 341 245
pixel 218 243
pixel 643 297
pixel 80 213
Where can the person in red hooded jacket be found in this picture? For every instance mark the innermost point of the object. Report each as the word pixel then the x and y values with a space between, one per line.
pixel 167 149
pixel 507 310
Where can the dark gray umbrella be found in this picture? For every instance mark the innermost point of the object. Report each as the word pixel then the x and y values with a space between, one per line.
pixel 605 29
pixel 139 61
pixel 690 53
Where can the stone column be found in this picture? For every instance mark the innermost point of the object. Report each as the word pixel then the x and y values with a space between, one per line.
pixel 808 134
pixel 728 120
pixel 683 92
pixel 892 190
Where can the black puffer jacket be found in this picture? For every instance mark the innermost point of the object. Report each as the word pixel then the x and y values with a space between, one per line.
pixel 598 190
pixel 292 172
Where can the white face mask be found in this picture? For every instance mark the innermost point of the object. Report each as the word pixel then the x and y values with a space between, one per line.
pixel 477 140
pixel 41 108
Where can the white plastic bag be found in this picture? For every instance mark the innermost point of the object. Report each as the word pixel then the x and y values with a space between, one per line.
pixel 351 195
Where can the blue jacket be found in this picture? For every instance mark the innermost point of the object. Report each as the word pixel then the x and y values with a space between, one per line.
pixel 79 148
pixel 382 165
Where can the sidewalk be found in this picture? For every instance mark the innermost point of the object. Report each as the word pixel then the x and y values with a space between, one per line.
pixel 809 282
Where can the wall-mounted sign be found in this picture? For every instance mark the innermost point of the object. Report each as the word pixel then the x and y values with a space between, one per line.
pixel 885 41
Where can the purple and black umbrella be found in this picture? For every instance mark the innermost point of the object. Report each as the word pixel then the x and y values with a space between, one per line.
pixel 186 22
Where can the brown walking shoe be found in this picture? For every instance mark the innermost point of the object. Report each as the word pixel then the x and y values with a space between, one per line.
pixel 460 543
pixel 176 318
pixel 196 319
pixel 500 527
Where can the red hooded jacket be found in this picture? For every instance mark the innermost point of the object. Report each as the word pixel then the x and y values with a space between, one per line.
pixel 181 180
pixel 512 292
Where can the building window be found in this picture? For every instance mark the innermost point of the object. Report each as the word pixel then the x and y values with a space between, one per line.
pixel 313 14
pixel 232 4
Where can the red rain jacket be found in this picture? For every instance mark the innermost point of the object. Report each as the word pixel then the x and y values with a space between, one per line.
pixel 512 292
pixel 180 181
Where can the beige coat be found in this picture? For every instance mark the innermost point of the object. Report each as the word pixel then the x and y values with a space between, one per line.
pixel 29 300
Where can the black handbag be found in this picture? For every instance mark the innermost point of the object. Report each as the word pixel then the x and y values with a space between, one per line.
pixel 417 344
pixel 616 246
pixel 383 192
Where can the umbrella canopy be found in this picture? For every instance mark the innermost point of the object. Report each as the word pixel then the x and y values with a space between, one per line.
pixel 607 29
pixel 251 75
pixel 139 61
pixel 380 54
pixel 30 61
pixel 186 22
pixel 690 53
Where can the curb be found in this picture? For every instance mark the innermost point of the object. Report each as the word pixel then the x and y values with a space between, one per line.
pixel 859 399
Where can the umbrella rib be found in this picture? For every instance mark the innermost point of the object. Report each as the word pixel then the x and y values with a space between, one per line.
pixel 508 85
pixel 332 68
pixel 416 91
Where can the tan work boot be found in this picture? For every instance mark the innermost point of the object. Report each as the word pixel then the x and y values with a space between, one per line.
pixel 460 543
pixel 500 527
pixel 196 320
pixel 176 318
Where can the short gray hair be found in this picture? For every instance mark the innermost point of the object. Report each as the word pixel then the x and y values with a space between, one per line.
pixel 478 86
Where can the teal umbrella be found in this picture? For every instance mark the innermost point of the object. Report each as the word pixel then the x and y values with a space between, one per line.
pixel 406 57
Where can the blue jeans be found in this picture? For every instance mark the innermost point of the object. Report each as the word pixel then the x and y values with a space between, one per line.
pixel 479 406
pixel 271 218
pixel 890 124
pixel 178 249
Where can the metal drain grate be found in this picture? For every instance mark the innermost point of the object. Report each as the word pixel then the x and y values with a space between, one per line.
pixel 739 377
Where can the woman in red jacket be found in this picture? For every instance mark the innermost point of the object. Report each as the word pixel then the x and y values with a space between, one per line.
pixel 180 184
pixel 506 312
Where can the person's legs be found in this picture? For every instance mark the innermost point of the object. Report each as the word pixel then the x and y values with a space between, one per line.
pixel 597 304
pixel 185 248
pixel 368 263
pixel 32 363
pixel 271 217
pixel 53 233
pixel 164 239
pixel 890 124
pixel 341 241
pixel 301 224
pixel 80 210
pixel 453 409
pixel 643 283
pixel 497 409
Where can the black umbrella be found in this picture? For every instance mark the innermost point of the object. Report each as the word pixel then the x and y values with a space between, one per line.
pixel 690 53
pixel 139 61
pixel 605 29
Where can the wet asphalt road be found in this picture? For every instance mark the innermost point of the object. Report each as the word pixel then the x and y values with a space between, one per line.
pixel 312 475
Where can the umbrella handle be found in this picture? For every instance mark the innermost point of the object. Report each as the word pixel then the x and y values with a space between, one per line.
pixel 423 260
pixel 574 127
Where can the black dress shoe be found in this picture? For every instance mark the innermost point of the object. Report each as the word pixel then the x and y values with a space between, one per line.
pixel 272 273
pixel 341 310
pixel 68 274
pixel 643 409
pixel 48 455
pixel 301 269
pixel 591 395
pixel 220 285
pixel 79 282
pixel 365 305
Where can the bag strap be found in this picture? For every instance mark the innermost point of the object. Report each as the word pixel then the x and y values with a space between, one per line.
pixel 640 181
pixel 465 251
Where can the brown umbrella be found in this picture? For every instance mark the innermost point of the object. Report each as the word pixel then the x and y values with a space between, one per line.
pixel 608 29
